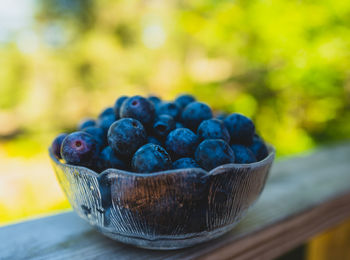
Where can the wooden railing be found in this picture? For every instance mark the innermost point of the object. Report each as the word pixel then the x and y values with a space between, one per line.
pixel 303 197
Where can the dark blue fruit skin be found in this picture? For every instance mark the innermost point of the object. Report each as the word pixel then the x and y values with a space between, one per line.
pixel 98 134
pixel 86 123
pixel 194 113
pixel 241 129
pixel 80 148
pixel 126 135
pixel 184 100
pixel 105 122
pixel 56 145
pixel 106 112
pixel 181 142
pixel 117 105
pixel 169 108
pixel 139 108
pixel 108 159
pixel 243 154
pixel 259 148
pixel 184 163
pixel 163 125
pixel 213 129
pixel 179 125
pixel 212 153
pixel 150 158
pixel 154 140
pixel 155 100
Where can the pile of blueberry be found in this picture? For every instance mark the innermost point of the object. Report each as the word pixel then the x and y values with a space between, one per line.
pixel 147 135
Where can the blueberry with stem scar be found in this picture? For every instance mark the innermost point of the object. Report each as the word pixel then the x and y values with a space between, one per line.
pixel 150 158
pixel 80 148
pixel 139 108
pixel 126 135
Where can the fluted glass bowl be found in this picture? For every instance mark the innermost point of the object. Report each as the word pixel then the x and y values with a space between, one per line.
pixel 164 210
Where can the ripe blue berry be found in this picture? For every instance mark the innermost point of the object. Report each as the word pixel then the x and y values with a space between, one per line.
pixel 259 148
pixel 163 125
pixel 108 159
pixel 181 142
pixel 213 129
pixel 106 112
pixel 117 105
pixel 194 113
pixel 126 135
pixel 86 123
pixel 184 163
pixel 139 108
pixel 150 158
pixel 179 125
pixel 184 100
pixel 98 134
pixel 80 148
pixel 169 108
pixel 155 100
pixel 56 145
pixel 105 122
pixel 212 153
pixel 241 129
pixel 243 154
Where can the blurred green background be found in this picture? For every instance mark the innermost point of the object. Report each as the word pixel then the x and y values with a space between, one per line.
pixel 284 63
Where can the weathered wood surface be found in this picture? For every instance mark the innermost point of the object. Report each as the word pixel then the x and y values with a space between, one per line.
pixel 304 196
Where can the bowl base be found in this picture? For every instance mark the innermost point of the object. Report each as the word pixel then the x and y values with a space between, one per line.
pixel 169 243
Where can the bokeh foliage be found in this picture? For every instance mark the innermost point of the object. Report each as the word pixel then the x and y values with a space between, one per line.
pixel 284 63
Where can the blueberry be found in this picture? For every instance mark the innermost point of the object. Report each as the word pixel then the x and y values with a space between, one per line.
pixel 212 153
pixel 179 125
pixel 213 129
pixel 106 112
pixel 169 108
pixel 126 135
pixel 56 145
pixel 184 100
pixel 221 116
pixel 194 113
pixel 139 108
pixel 163 125
pixel 108 159
pixel 86 123
pixel 155 100
pixel 98 134
pixel 105 122
pixel 153 140
pixel 181 142
pixel 259 148
pixel 117 105
pixel 150 158
pixel 243 154
pixel 184 163
pixel 80 148
pixel 241 129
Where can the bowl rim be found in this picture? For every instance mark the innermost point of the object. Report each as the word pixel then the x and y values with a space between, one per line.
pixel 214 171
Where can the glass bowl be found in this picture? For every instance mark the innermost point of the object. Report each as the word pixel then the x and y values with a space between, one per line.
pixel 165 210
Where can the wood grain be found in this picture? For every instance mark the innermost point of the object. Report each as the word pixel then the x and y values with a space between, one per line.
pixel 304 196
